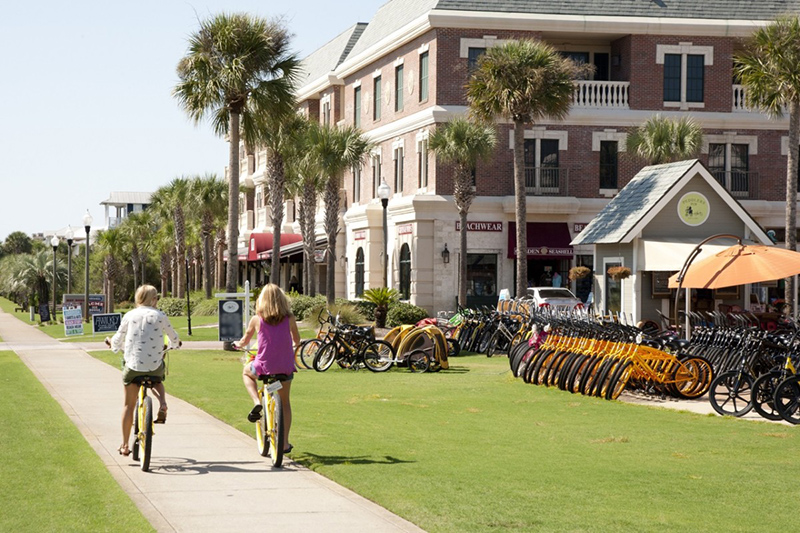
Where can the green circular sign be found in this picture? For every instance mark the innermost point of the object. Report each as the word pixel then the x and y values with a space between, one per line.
pixel 693 209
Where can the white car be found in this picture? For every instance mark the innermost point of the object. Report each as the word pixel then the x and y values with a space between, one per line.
pixel 553 296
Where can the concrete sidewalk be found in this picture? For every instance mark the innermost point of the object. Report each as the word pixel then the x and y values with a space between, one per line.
pixel 205 475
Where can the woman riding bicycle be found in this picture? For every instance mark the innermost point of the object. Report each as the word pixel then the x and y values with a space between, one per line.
pixel 141 336
pixel 277 338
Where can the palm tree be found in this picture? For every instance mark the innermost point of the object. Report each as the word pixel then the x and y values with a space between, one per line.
pixel 163 246
pixel 34 272
pixel 137 229
pixel 770 70
pixel 307 183
pixel 238 68
pixel 662 140
pixel 336 150
pixel 523 81
pixel 209 198
pixel 109 246
pixel 169 202
pixel 463 143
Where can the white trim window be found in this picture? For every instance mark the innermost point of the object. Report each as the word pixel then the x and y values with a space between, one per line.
pixel 422 160
pixel 376 172
pixel 357 183
pixel 684 73
pixel 398 153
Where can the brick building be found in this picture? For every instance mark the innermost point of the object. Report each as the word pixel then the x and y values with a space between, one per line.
pixel 404 72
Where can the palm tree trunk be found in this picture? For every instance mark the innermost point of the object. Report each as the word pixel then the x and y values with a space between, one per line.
pixel 164 273
pixel 331 228
pixel 463 196
pixel 462 261
pixel 181 283
pixel 791 192
pixel 520 208
pixel 308 206
pixel 277 184
pixel 207 227
pixel 135 263
pixel 233 204
pixel 220 268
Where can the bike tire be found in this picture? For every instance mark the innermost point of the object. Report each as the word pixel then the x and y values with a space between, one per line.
pixel 692 377
pixel 308 350
pixel 419 361
pixel 787 399
pixel 491 349
pixel 379 356
pixel 453 348
pixel 730 393
pixel 136 415
pixel 274 415
pixel 147 435
pixel 324 357
pixel 619 380
pixel 764 388
pixel 571 381
pixel 262 433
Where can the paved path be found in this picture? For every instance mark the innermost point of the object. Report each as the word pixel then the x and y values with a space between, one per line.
pixel 205 475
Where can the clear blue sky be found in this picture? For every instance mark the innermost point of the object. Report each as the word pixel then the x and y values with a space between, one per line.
pixel 86 98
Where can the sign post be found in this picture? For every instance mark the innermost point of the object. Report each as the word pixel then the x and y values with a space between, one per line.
pixel 233 317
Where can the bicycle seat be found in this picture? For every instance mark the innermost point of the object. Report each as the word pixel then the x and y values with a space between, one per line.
pixel 271 378
pixel 139 380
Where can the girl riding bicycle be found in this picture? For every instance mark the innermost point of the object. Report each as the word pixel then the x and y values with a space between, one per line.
pixel 142 334
pixel 277 338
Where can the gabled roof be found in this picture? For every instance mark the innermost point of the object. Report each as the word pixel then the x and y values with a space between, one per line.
pixel 696 9
pixel 645 195
pixel 124 198
pixel 322 61
pixel 390 17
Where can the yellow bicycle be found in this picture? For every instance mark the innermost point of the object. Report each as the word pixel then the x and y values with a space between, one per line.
pixel 269 428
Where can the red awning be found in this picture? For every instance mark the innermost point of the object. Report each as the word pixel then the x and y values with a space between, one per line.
pixel 546 240
pixel 261 244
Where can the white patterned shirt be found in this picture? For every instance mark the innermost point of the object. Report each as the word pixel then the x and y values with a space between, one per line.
pixel 142 331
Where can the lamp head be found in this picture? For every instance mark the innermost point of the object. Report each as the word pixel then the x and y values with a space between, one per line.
pixel 87 220
pixel 54 242
pixel 384 191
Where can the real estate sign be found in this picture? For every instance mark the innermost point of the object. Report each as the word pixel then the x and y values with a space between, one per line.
pixel 231 316
pixel 73 321
pixel 106 322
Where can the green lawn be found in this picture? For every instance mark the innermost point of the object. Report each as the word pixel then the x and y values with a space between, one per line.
pixel 472 449
pixel 51 478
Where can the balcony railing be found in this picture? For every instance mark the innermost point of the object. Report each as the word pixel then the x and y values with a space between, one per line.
pixel 547 181
pixel 601 94
pixel 740 183
pixel 740 99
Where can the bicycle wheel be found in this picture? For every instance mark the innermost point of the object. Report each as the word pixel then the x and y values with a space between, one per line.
pixel 731 393
pixel 146 434
pixel 308 350
pixel 274 416
pixel 619 380
pixel 324 357
pixel 692 377
pixel 453 348
pixel 491 347
pixel 787 399
pixel 378 356
pixel 137 415
pixel 418 361
pixel 262 433
pixel 764 394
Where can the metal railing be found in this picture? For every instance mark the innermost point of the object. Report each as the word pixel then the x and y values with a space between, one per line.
pixel 601 94
pixel 740 183
pixel 547 181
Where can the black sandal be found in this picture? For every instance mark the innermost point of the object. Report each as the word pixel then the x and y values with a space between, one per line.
pixel 124 450
pixel 255 414
pixel 162 416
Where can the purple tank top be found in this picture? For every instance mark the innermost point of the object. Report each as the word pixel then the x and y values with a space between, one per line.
pixel 275 354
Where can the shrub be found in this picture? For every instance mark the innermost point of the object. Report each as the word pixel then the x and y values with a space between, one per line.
pixel 403 313
pixel 348 314
pixel 301 304
pixel 172 306
pixel 365 308
pixel 205 307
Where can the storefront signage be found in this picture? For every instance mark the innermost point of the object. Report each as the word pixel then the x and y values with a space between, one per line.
pixel 481 226
pixel 319 256
pixel 97 302
pixel 693 209
pixel 578 227
pixel 545 250
pixel 404 229
pixel 359 235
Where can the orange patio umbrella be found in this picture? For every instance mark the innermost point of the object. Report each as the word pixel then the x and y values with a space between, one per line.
pixel 738 265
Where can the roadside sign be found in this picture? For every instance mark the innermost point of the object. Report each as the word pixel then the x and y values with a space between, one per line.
pixel 73 321
pixel 106 322
pixel 231 314
pixel 97 302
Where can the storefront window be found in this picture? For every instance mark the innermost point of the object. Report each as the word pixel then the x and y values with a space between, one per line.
pixel 613 291
pixel 359 272
pixel 482 275
pixel 405 272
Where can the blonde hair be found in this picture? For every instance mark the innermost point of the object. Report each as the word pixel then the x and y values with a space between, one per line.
pixel 273 305
pixel 146 295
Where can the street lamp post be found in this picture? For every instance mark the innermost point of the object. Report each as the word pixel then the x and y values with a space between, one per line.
pixel 54 244
pixel 87 224
pixel 383 193
pixel 70 237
